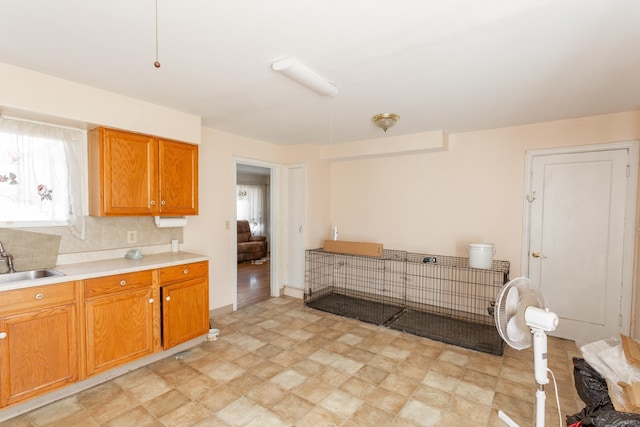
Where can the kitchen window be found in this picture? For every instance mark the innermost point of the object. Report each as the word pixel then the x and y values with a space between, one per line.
pixel 40 175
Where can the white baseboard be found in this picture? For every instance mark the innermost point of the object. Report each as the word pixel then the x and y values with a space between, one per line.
pixel 292 292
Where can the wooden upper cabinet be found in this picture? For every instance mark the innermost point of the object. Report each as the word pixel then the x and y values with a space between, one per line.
pixel 178 171
pixel 132 174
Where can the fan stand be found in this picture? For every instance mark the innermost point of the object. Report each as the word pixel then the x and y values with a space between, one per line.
pixel 540 373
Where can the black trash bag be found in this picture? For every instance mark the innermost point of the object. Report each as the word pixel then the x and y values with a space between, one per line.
pixel 599 412
pixel 590 385
pixel 613 419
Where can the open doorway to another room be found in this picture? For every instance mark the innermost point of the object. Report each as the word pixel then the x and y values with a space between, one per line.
pixel 254 234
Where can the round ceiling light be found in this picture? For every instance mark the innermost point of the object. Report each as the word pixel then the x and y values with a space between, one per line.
pixel 385 120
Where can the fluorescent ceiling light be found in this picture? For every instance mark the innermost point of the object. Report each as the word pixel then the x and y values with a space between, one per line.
pixel 305 76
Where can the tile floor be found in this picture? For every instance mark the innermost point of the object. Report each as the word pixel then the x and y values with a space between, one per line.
pixel 279 363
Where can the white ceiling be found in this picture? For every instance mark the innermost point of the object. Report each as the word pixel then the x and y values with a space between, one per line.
pixel 452 65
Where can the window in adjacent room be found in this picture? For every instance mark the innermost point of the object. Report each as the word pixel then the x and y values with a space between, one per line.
pixel 40 175
pixel 250 206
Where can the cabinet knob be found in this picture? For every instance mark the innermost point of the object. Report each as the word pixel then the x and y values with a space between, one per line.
pixel 3 335
pixel 153 202
pixel 168 299
pixel 150 300
pixel 39 296
pixel 123 282
pixel 163 203
pixel 186 271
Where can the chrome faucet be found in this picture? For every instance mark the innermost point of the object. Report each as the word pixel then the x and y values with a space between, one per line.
pixel 9 258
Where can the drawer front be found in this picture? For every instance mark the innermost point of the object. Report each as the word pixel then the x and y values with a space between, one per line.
pixel 116 283
pixel 178 273
pixel 37 297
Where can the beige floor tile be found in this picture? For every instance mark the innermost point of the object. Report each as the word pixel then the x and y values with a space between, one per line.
pixel 280 363
pixel 165 403
pixel 219 398
pixel 292 408
pixel 474 393
pixel 313 390
pixel 368 415
pixel 357 387
pixel 341 403
pixel 267 419
pixel 266 394
pixel 288 379
pixel 475 412
pixel 372 374
pixel 433 397
pixel 440 381
pixel 267 369
pixel 421 414
pixel 137 416
pixel 319 417
pixel 386 400
pixel 399 384
pixel 240 412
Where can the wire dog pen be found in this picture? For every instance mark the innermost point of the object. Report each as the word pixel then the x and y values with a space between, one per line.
pixel 434 296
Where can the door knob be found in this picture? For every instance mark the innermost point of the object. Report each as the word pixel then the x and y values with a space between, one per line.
pixel 537 255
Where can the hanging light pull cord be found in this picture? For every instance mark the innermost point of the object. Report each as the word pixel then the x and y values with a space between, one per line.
pixel 156 63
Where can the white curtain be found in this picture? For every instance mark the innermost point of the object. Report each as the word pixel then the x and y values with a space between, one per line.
pixel 251 199
pixel 40 175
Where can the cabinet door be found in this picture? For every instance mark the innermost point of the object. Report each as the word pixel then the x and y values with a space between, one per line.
pixel 185 308
pixel 119 329
pixel 38 353
pixel 178 164
pixel 128 170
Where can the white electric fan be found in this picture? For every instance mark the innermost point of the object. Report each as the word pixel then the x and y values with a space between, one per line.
pixel 520 314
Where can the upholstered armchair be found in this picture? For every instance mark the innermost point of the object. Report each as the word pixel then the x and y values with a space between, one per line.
pixel 250 247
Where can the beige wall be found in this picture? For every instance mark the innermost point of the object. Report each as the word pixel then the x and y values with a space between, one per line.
pixel 428 192
pixel 473 192
pixel 37 96
pixel 206 233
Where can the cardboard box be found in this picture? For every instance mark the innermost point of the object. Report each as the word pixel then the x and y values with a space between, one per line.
pixel 631 391
pixel 631 350
pixel 353 248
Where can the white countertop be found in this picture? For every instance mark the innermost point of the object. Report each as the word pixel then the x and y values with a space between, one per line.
pixel 108 267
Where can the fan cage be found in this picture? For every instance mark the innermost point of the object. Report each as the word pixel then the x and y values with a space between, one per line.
pixel 434 296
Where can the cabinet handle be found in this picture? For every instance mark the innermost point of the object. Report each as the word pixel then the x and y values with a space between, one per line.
pixel 3 335
pixel 153 202
pixel 123 282
pixel 163 203
pixel 168 299
pixel 150 300
pixel 186 271
pixel 39 296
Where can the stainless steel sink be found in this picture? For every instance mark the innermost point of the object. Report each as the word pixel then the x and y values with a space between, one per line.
pixel 28 275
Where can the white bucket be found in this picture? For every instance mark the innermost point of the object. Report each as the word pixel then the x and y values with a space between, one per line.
pixel 480 255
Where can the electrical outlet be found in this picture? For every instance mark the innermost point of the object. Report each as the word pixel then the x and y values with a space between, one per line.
pixel 132 237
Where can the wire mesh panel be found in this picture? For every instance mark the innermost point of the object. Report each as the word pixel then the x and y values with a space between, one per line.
pixel 434 296
pixel 365 288
pixel 451 302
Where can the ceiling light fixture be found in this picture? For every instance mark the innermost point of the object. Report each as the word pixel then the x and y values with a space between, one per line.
pixel 385 120
pixel 305 76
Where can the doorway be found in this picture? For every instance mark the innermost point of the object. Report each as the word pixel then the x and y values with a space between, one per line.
pixel 256 198
pixel 578 236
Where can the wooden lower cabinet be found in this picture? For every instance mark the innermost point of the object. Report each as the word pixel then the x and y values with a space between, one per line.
pixel 185 303
pixel 38 343
pixel 119 322
pixel 112 319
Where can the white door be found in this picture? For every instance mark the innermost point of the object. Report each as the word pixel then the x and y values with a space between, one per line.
pixel 295 227
pixel 578 203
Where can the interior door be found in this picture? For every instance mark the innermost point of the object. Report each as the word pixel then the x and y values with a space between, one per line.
pixel 576 245
pixel 295 228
